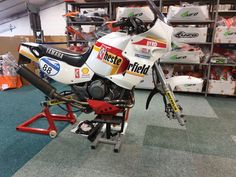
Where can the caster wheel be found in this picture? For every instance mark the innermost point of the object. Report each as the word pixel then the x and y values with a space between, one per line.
pixel 53 134
pixel 116 150
pixel 75 116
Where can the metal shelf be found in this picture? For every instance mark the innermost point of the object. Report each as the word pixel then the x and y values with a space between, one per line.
pixel 202 93
pixel 78 41
pixel 183 63
pixel 191 22
pixel 226 11
pixel 199 43
pixel 201 2
pixel 224 43
pixel 220 94
pixel 89 4
pixel 223 64
pixel 86 23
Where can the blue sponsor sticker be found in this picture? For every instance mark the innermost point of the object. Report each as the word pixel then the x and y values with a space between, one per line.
pixel 49 66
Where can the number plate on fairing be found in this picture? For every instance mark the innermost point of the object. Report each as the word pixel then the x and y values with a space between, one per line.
pixel 49 66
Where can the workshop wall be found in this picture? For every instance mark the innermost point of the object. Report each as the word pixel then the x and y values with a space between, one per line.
pixel 53 23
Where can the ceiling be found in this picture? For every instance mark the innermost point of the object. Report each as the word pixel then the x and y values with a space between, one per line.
pixel 12 9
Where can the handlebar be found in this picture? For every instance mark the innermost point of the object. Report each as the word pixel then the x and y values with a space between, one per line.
pixel 122 23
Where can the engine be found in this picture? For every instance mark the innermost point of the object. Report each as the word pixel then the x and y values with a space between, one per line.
pixel 98 89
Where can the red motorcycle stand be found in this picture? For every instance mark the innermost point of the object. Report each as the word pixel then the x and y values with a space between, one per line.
pixel 52 130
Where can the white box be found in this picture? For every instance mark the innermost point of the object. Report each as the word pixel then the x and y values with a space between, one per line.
pixel 222 87
pixel 143 13
pixel 181 57
pixel 188 13
pixel 189 34
pixel 225 34
pixel 189 87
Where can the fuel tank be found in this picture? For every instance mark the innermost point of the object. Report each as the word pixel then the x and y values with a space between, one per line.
pixel 106 58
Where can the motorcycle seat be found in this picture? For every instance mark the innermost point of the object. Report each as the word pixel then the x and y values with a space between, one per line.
pixel 68 56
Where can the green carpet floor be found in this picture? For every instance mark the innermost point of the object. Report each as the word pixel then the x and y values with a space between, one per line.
pixel 154 146
pixel 16 148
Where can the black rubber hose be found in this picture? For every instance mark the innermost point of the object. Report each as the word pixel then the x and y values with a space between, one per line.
pixel 36 81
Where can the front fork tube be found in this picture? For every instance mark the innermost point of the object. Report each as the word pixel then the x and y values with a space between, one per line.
pixel 167 91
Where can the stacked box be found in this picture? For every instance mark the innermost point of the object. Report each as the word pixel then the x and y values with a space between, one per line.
pixel 188 13
pixel 182 57
pixel 222 87
pixel 143 13
pixel 189 34
pixel 225 34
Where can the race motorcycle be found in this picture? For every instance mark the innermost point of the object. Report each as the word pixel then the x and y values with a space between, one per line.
pixel 110 70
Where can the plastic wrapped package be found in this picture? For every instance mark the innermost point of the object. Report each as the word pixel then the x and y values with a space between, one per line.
pixel 8 76
pixel 188 13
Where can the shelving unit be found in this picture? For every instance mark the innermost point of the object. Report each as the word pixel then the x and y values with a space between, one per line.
pixel 211 64
pixel 111 5
pixel 74 6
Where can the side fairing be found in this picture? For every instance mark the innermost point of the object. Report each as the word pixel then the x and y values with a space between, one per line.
pixel 106 59
pixel 142 51
pixel 64 73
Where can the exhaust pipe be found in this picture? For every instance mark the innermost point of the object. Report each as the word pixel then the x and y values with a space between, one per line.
pixel 36 81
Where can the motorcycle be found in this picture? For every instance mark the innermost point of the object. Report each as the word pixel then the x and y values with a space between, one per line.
pixel 110 70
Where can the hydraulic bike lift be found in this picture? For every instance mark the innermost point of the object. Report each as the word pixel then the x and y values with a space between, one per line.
pixel 51 118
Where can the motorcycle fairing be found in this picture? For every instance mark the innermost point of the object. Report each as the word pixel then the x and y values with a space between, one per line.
pixel 106 59
pixel 142 51
pixel 64 73
pixel 26 52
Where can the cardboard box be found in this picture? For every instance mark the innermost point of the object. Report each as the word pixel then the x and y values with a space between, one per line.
pixel 189 88
pixel 222 87
pixel 182 57
pixel 11 44
pixel 143 13
pixel 189 34
pixel 188 13
pixel 225 34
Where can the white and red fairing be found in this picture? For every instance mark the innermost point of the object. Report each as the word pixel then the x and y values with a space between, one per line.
pixel 126 59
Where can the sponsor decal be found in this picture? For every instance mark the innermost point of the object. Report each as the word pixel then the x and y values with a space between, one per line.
pixel 77 73
pixel 145 50
pixel 172 101
pixel 132 14
pixel 108 57
pixel 111 56
pixel 189 85
pixel 54 53
pixel 85 72
pixel 183 34
pixel 102 52
pixel 137 69
pixel 229 33
pixel 142 56
pixel 112 59
pixel 151 43
pixel 176 57
pixel 188 14
pixel 49 66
